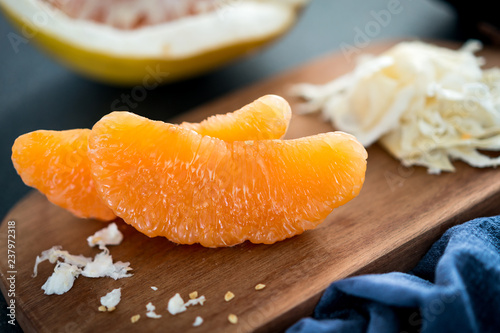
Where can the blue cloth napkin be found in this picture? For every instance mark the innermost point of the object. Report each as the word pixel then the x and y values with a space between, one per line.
pixel 454 288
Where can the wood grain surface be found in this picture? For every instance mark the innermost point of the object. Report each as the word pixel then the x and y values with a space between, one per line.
pixel 398 215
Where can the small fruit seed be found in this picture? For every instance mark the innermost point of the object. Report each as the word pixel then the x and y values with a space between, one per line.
pixel 102 308
pixel 111 308
pixel 260 286
pixel 135 319
pixel 233 319
pixel 193 295
pixel 228 296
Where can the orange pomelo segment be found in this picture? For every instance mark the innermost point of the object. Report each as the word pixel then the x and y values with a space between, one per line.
pixel 265 118
pixel 56 163
pixel 168 181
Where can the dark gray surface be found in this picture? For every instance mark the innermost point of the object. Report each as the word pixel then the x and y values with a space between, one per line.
pixel 37 93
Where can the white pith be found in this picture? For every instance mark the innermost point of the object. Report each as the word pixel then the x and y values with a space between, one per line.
pixel 238 21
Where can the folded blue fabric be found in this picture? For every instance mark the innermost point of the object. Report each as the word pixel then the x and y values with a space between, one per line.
pixel 454 288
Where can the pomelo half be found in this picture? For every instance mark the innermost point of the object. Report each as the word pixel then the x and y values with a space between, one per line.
pixel 148 42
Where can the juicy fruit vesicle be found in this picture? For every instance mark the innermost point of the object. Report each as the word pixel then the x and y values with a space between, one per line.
pixel 56 162
pixel 168 181
pixel 133 14
pixel 265 118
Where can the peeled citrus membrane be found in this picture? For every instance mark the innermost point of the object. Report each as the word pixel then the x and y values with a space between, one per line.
pixel 186 184
pixel 427 105
pixel 133 42
pixel 56 162
pixel 166 180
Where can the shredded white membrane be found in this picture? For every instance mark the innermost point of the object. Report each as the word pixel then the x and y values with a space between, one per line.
pixel 102 265
pixel 55 253
pixel 107 236
pixel 112 298
pixel 425 104
pixel 151 311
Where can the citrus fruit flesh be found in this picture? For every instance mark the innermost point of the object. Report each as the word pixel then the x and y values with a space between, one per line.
pixel 168 181
pixel 265 118
pixel 133 14
pixel 56 163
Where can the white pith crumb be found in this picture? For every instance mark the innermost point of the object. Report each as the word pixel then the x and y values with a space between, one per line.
pixel 55 253
pixel 151 311
pixel 112 298
pixel 106 236
pixel 194 301
pixel 62 279
pixel 153 315
pixel 66 272
pixel 154 288
pixel 198 321
pixel 176 305
pixel 103 265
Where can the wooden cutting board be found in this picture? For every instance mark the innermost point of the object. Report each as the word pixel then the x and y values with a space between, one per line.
pixel 398 215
